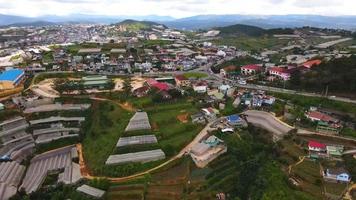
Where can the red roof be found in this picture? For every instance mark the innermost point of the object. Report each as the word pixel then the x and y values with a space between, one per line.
pixel 151 82
pixel 309 64
pixel 279 69
pixel 161 86
pixel 315 144
pixel 180 77
pixel 252 67
pixel 230 68
pixel 320 116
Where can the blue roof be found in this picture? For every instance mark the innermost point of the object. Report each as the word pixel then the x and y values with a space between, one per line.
pixel 233 118
pixel 11 75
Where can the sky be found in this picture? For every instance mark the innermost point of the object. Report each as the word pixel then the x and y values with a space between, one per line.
pixel 176 8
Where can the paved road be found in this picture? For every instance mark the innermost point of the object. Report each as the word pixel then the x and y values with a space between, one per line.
pixel 269 122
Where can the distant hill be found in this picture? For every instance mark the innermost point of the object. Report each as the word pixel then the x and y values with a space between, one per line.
pixel 240 29
pixel 134 25
pixel 201 21
pixel 253 31
pixel 33 24
pixel 264 21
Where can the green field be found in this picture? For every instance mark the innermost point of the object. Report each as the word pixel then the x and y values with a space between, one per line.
pixel 309 173
pixel 252 43
pixel 194 75
pixel 108 122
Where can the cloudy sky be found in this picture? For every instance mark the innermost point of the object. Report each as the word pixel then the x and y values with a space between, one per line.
pixel 176 8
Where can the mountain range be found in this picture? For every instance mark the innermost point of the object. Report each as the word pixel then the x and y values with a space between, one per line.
pixel 195 22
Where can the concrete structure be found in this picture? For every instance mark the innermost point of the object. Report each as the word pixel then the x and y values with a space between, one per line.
pixel 141 157
pixel 10 79
pixel 207 150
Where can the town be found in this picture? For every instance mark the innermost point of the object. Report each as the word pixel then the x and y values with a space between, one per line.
pixel 139 110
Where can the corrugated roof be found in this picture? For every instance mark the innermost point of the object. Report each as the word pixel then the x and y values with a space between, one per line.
pixel 11 75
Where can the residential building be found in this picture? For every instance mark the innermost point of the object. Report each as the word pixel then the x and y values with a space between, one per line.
pixel 316 146
pixel 280 72
pixel 181 81
pixel 337 175
pixel 250 69
pixel 335 150
pixel 311 63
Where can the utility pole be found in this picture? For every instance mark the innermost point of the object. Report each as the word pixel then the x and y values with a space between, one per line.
pixel 327 90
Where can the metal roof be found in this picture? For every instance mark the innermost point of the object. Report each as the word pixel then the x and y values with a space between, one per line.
pixel 11 75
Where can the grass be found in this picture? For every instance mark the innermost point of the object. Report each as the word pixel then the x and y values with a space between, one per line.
pixel 252 43
pixel 308 172
pixel 195 75
pixel 100 140
pixel 335 188
pixel 108 122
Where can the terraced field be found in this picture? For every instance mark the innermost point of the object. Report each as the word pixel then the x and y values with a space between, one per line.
pixel 127 192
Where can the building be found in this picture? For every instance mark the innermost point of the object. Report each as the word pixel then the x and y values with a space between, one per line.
pixel 316 146
pixel 328 128
pixel 311 63
pixel 250 69
pixel 280 72
pixel 2 107
pixel 234 120
pixel 207 150
pixel 336 150
pixel 181 81
pixel 10 79
pixel 336 175
pixel 316 116
pixel 95 81
pixel 200 87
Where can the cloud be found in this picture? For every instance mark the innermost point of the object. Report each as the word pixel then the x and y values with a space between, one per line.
pixel 176 8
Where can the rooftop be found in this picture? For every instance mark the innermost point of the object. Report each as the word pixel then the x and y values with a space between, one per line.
pixel 11 75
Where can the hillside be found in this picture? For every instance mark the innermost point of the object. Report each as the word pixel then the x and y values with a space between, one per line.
pixel 134 25
pixel 240 29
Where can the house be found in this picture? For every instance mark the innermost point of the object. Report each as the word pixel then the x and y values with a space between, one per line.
pixel 311 63
pixel 181 81
pixel 316 146
pixel 316 116
pixel 224 88
pixel 198 118
pixel 234 120
pixel 328 128
pixel 200 87
pixel 280 72
pixel 207 150
pixel 209 113
pixel 141 91
pixel 2 107
pixel 335 150
pixel 250 69
pixel 336 174
pixel 152 83
pixel 9 79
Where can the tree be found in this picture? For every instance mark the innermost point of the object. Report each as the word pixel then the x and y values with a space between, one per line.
pixel 127 87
